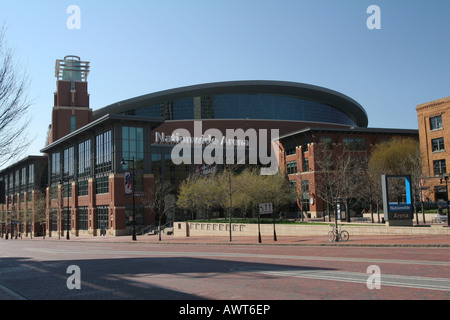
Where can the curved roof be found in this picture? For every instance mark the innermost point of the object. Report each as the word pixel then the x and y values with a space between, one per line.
pixel 305 91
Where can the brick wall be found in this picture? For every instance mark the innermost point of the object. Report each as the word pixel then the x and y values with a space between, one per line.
pixel 425 112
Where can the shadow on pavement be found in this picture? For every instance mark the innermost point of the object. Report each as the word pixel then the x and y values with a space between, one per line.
pixel 125 278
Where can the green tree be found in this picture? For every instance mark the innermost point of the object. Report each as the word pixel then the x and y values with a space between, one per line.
pixel 277 190
pixel 394 157
pixel 188 194
pixel 250 187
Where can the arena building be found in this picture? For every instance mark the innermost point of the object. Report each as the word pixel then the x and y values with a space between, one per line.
pixel 261 106
pixel 86 148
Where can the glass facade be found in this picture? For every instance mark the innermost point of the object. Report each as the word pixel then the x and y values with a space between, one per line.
pixel 133 146
pixel 162 165
pixel 84 159
pixel 101 217
pixel 245 106
pixel 356 144
pixel 69 160
pixel 55 167
pixel 30 177
pixel 83 218
pixel 103 153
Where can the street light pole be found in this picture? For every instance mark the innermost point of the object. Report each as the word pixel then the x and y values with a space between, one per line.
pixel 124 161
pixel 446 192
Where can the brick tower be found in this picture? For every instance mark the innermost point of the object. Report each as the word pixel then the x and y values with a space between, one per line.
pixel 71 107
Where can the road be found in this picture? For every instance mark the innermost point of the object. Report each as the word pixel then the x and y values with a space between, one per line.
pixel 90 270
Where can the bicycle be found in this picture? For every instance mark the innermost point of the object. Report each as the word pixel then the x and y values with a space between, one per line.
pixel 337 234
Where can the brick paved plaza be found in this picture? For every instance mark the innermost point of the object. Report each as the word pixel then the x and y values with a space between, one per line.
pixel 117 268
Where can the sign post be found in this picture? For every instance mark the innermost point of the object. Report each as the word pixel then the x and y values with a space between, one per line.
pixel 397 200
pixel 265 208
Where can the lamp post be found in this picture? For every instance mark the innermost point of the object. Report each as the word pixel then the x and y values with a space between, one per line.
pixel 446 192
pixel 124 162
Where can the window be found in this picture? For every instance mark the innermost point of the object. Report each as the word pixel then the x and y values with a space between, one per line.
pixel 102 185
pixel 103 154
pixel 305 145
pixel 69 163
pixel 83 188
pixel 139 215
pixel 356 144
pixel 65 212
pixel 82 218
pixel 440 193
pixel 439 167
pixel 56 167
pixel 73 124
pixel 292 167
pixel 66 190
pixel 17 182
pixel 291 149
pixel 11 184
pixel 101 217
pixel 84 159
pixel 437 144
pixel 30 177
pixel 436 123
pixel 133 145
pixel 53 220
pixel 326 143
pixel 23 177
pixel 305 189
pixel 306 165
pixel 54 191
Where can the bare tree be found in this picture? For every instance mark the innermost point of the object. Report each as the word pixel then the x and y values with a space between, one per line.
pixel 348 171
pixel 14 105
pixel 337 178
pixel 162 201
pixel 413 163
pixel 369 187
pixel 325 184
pixel 39 211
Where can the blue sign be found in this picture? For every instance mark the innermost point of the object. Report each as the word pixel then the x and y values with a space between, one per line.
pixel 401 210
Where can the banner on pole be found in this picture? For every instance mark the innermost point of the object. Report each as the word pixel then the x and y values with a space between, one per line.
pixel 128 182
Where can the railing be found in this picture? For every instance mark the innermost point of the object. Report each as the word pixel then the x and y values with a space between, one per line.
pixel 153 229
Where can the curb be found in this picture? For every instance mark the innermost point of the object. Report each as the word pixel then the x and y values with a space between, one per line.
pixel 236 243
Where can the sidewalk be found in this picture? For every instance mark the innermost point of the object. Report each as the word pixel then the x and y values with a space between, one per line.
pixel 376 241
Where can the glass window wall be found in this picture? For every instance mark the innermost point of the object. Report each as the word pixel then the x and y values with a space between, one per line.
pixel 84 159
pixel 103 152
pixel 246 106
pixel 133 146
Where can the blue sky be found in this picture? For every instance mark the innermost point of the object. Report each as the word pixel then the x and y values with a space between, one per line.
pixel 137 47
